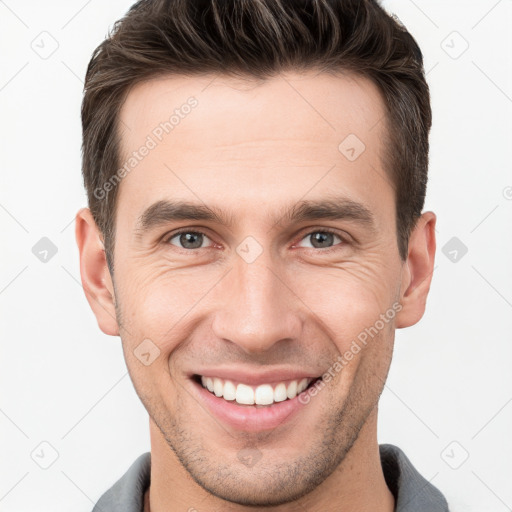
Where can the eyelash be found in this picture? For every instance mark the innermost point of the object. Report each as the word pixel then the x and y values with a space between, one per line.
pixel 167 239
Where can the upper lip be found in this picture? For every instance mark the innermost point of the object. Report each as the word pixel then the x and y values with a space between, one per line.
pixel 255 378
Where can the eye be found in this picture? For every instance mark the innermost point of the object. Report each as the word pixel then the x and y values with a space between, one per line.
pixel 321 239
pixel 188 239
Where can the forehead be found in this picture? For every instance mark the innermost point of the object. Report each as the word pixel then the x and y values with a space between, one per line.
pixel 215 138
pixel 309 105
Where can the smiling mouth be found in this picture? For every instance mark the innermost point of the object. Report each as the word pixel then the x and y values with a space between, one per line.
pixel 264 395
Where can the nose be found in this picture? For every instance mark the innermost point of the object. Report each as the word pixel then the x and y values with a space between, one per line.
pixel 255 307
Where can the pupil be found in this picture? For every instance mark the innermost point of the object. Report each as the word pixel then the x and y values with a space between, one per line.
pixel 320 237
pixel 191 240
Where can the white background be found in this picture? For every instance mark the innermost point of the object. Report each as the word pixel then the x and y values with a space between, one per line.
pixel 64 382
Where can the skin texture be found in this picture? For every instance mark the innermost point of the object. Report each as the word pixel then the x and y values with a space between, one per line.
pixel 253 150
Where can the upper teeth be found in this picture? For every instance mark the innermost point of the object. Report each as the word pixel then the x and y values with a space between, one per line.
pixel 264 394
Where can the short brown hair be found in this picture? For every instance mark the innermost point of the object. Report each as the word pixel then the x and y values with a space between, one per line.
pixel 258 39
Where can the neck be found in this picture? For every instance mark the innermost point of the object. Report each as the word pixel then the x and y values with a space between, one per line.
pixel 357 483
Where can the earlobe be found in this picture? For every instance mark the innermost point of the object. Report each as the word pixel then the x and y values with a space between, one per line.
pixel 417 271
pixel 96 279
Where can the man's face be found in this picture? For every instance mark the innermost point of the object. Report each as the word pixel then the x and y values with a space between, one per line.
pixel 258 289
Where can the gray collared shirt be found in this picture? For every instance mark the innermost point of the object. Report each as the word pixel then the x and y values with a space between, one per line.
pixel 411 491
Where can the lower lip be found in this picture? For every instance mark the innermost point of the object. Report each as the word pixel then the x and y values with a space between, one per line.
pixel 250 418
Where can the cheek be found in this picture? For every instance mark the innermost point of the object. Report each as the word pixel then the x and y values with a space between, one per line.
pixel 159 304
pixel 364 364
pixel 349 301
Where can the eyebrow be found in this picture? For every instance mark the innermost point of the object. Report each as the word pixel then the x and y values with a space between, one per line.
pixel 165 211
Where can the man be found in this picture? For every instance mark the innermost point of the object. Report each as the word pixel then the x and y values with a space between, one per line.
pixel 256 174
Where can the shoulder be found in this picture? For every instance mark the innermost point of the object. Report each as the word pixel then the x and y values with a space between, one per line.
pixel 127 494
pixel 411 490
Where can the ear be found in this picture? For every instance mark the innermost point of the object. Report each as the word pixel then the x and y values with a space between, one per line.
pixel 417 271
pixel 96 279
